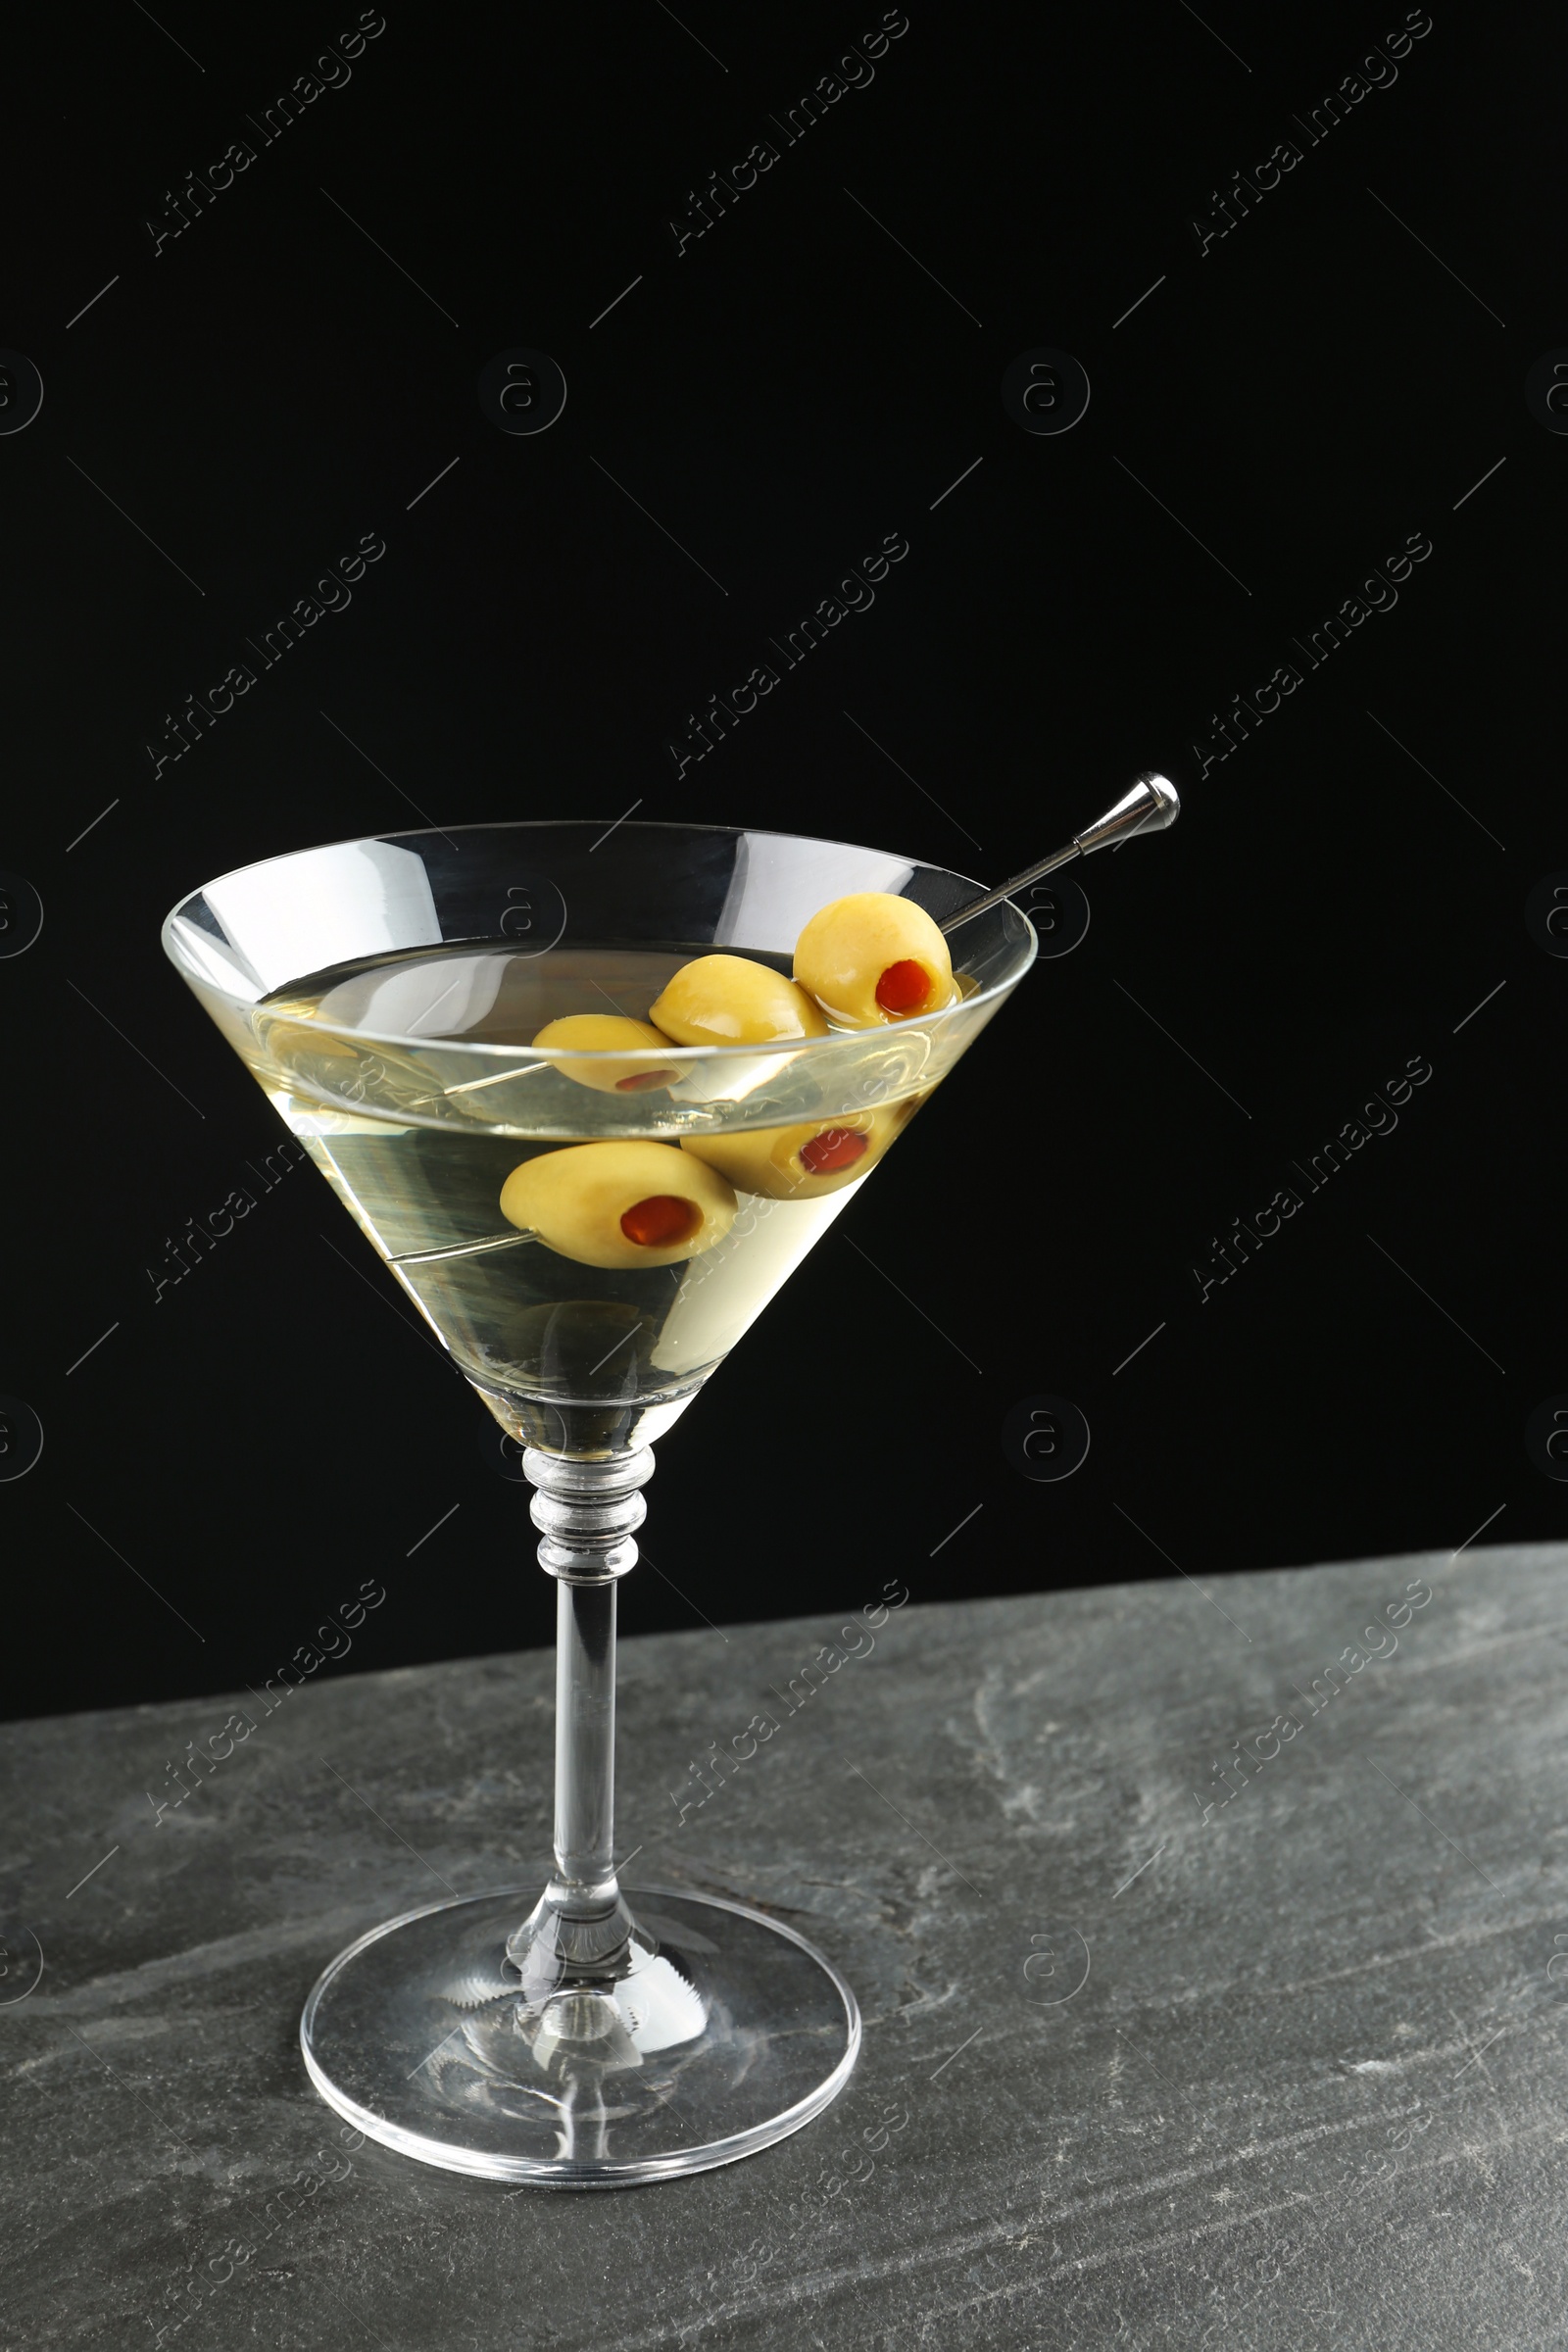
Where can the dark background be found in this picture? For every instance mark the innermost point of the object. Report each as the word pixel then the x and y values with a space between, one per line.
pixel 231 1462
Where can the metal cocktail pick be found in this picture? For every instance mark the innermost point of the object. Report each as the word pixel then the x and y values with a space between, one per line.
pixel 1150 806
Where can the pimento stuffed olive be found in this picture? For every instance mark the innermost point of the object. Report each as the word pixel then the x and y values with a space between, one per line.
pixel 730 1000
pixel 872 958
pixel 800 1163
pixel 630 1204
pixel 602 1035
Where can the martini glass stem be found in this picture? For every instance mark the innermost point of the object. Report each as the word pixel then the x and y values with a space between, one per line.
pixel 585 1737
pixel 586 1513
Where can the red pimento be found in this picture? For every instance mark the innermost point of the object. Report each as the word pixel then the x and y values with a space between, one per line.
pixel 661 1221
pixel 834 1149
pixel 904 987
pixel 640 1079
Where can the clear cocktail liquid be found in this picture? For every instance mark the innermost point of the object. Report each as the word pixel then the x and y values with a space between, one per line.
pixel 573 1357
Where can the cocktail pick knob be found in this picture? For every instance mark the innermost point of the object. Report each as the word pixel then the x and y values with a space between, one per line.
pixel 1151 804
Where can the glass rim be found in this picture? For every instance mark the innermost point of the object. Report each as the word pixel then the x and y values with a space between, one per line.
pixel 653 1057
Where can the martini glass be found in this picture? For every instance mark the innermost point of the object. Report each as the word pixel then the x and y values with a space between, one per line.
pixel 384 993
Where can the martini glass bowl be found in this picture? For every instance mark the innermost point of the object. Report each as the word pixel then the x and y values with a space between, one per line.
pixel 385 993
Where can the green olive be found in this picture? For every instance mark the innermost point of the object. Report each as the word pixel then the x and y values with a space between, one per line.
pixel 802 1163
pixel 601 1035
pixel 872 958
pixel 630 1204
pixel 730 1000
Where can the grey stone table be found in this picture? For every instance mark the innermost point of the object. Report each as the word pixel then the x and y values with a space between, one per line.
pixel 1213 1951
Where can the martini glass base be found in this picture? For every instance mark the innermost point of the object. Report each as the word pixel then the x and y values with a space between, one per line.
pixel 716 2033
